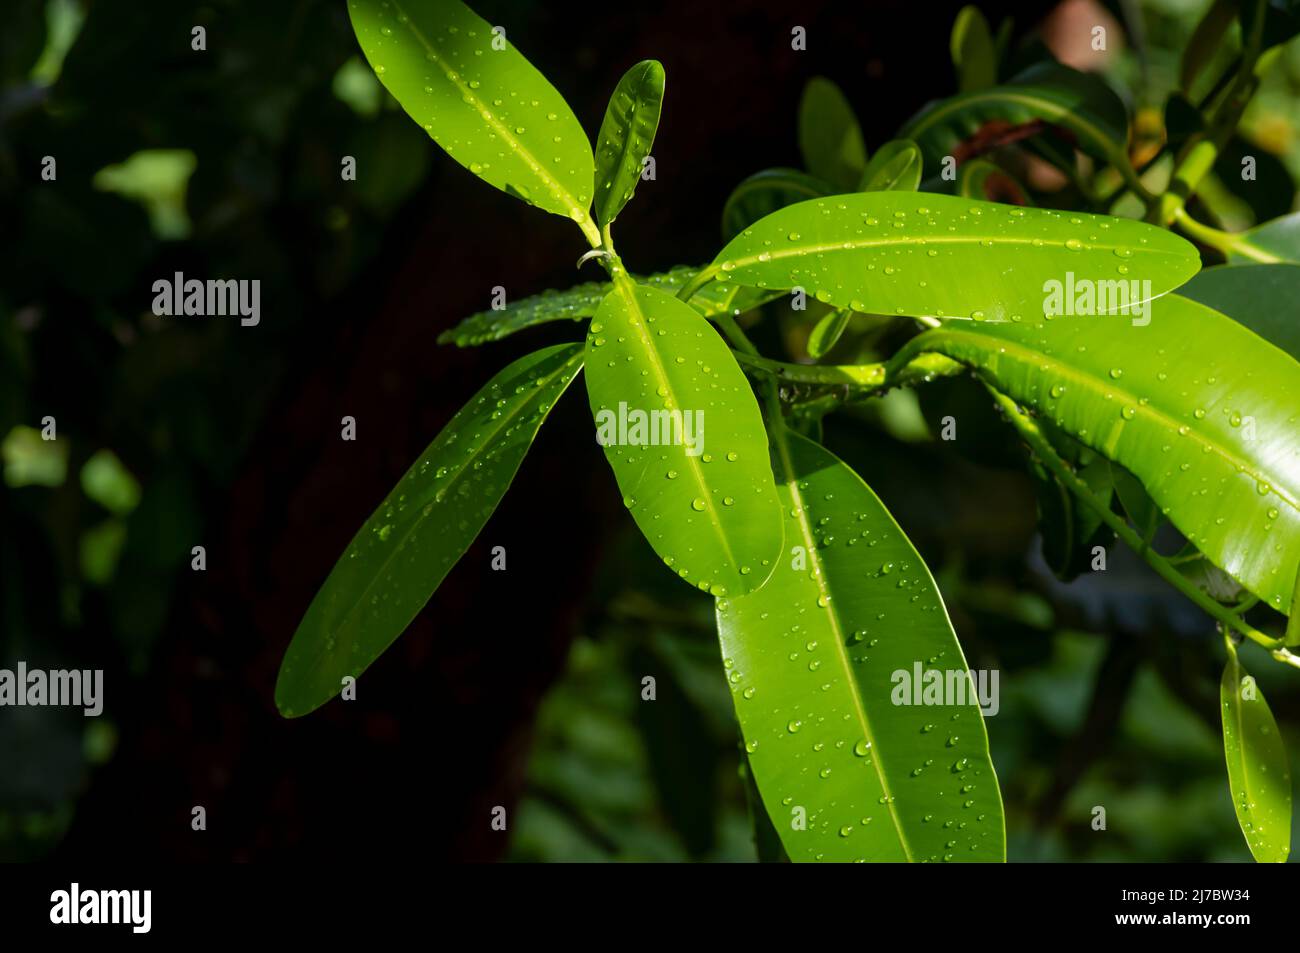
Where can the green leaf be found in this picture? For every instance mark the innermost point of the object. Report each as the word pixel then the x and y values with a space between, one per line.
pixel 896 167
pixel 1206 41
pixel 826 333
pixel 488 107
pixel 1273 242
pixel 1198 408
pixel 581 301
pixel 763 193
pixel 626 136
pixel 1069 528
pixel 946 257
pixel 830 139
pixel 1258 773
pixel 981 179
pixel 973 52
pixel 1141 510
pixel 399 557
pixel 1261 297
pixel 816 659
pixel 703 497
pixel 1047 93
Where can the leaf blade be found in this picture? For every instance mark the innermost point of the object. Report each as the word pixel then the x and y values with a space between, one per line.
pixel 1259 776
pixel 626 136
pixel 488 107
pixel 581 301
pixel 943 256
pixel 1176 419
pixel 795 729
pixel 830 139
pixel 711 511
pixel 897 166
pixel 371 596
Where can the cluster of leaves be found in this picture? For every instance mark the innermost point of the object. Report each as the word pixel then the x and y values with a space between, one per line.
pixel 1186 417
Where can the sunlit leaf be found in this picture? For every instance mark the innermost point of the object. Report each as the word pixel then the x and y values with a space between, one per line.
pixel 947 257
pixel 821 663
pixel 626 136
pixel 696 477
pixel 1197 407
pixel 475 94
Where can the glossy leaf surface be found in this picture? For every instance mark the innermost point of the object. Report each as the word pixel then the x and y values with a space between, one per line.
pixel 1201 410
pixel 1259 775
pixel 477 96
pixel 947 257
pixel 404 550
pixel 626 137
pixel 704 499
pixel 830 139
pixel 816 660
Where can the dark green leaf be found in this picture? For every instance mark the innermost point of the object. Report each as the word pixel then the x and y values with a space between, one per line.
pixel 896 167
pixel 973 52
pixel 763 193
pixel 1258 773
pixel 981 179
pixel 1261 297
pixel 826 333
pixel 1049 93
pixel 399 557
pixel 1270 243
pixel 581 301
pixel 829 137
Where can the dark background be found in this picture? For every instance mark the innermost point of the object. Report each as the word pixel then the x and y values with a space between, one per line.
pixel 233 437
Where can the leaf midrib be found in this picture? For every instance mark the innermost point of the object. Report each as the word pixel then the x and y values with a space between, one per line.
pixel 553 185
pixel 861 243
pixel 625 147
pixel 832 615
pixel 626 290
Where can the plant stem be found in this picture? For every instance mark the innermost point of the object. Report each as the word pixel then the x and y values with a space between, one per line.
pixel 1224 242
pixel 1033 436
